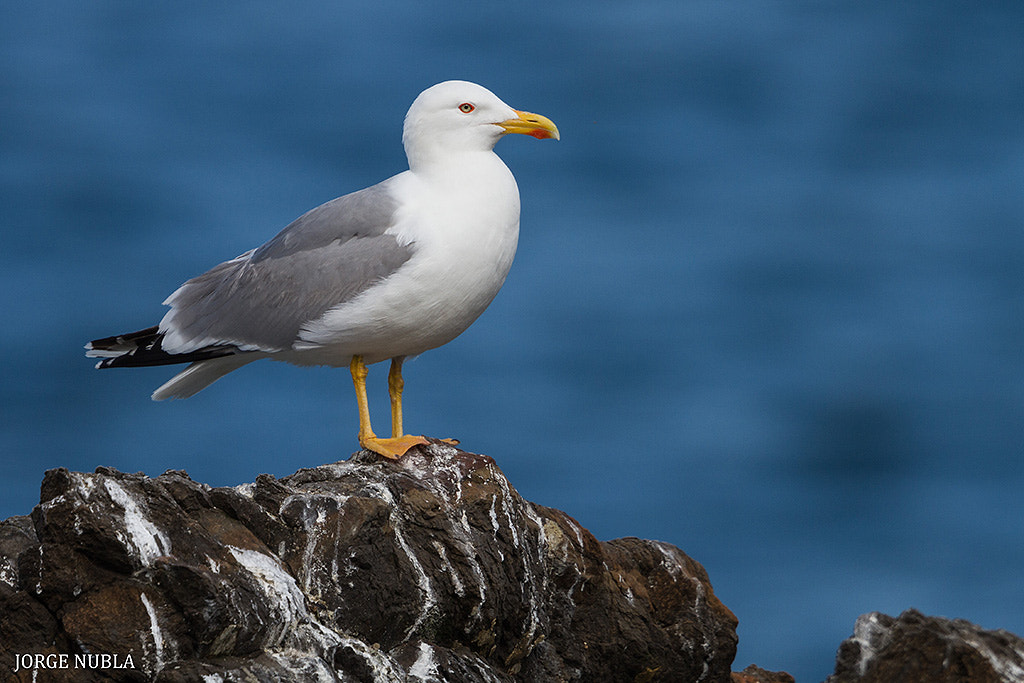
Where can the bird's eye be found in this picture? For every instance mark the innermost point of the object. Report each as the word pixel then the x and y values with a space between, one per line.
pixel 466 107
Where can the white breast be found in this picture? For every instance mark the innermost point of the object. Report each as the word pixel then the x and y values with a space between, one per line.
pixel 463 224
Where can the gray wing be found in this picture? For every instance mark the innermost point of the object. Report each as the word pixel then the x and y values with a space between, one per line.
pixel 260 300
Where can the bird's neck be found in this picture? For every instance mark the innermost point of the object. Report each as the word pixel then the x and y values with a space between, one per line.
pixel 455 168
pixel 475 184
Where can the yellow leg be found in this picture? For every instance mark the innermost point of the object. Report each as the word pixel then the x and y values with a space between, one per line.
pixel 359 373
pixel 398 444
pixel 395 387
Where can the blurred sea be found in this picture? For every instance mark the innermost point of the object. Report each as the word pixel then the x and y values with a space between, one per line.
pixel 768 304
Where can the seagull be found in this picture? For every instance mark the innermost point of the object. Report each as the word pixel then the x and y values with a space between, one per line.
pixel 384 273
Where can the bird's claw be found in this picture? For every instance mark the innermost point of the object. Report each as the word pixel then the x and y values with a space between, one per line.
pixel 394 447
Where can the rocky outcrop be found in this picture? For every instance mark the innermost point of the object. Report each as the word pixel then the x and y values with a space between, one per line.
pixel 916 648
pixel 430 568
pixel 755 674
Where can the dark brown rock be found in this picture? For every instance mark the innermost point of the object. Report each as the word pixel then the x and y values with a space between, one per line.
pixel 915 647
pixel 755 674
pixel 430 568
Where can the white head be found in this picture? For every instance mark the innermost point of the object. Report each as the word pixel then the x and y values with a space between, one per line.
pixel 458 116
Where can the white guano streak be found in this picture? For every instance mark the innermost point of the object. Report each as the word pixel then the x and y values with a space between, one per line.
pixel 422 579
pixel 424 668
pixel 148 541
pixel 158 636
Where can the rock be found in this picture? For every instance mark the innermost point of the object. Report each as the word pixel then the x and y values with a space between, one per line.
pixel 755 674
pixel 915 647
pixel 430 568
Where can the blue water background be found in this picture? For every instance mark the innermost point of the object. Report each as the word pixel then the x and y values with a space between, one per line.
pixel 768 304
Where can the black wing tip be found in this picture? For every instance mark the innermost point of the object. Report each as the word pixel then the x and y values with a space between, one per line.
pixel 126 342
pixel 143 348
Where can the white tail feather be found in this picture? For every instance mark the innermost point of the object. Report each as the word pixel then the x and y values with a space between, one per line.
pixel 202 374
